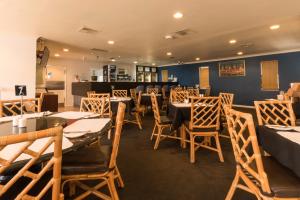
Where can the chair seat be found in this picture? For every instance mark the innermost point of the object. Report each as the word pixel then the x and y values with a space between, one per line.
pixel 87 160
pixel 164 120
pixel 283 182
pixel 186 123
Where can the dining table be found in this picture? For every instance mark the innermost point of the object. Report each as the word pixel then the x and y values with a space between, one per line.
pixel 282 143
pixel 178 113
pixel 114 102
pixel 79 129
pixel 146 99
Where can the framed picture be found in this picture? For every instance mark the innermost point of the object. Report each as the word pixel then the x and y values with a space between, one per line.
pixel 232 68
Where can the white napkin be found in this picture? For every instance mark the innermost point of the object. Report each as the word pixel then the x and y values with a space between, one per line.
pixel 73 115
pixel 293 136
pixel 84 126
pixel 120 99
pixel 9 151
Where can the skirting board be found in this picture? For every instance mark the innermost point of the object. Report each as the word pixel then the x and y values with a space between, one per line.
pixel 243 106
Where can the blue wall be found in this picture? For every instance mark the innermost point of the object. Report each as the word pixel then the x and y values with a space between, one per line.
pixel 246 88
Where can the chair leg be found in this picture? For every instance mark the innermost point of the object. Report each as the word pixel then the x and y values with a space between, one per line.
pixel 154 128
pixel 219 148
pixel 137 117
pixel 119 178
pixel 72 188
pixel 112 187
pixel 159 130
pixel 183 136
pixel 192 149
pixel 233 187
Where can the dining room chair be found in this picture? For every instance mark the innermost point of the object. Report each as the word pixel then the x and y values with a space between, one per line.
pixel 261 176
pixel 94 105
pixel 165 99
pixel 133 95
pixel 205 122
pixel 13 107
pixel 152 90
pixel 100 166
pixel 226 101
pixel 28 148
pixel 160 123
pixel 193 92
pixel 275 112
pixel 180 96
pixel 106 109
pixel 119 93
pixel 136 112
pixel 88 93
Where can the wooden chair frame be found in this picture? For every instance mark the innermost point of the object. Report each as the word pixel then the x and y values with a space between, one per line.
pixel 88 93
pixel 180 96
pixel 159 126
pixel 14 106
pixel 106 178
pixel 95 105
pixel 137 113
pixel 54 136
pixel 248 157
pixel 165 99
pixel 205 114
pixel 119 93
pixel 193 92
pixel 275 113
pixel 152 90
pixel 226 101
pixel 106 112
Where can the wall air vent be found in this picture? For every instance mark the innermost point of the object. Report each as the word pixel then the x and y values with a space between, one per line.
pixel 183 32
pixel 99 50
pixel 87 30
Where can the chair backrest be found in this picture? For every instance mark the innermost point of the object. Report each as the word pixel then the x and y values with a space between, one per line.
pixel 226 100
pixel 177 89
pixel 25 147
pixel 152 90
pixel 106 112
pixel 155 108
pixel 193 92
pixel 117 135
pixel 88 93
pixel 119 93
pixel 133 95
pixel 180 96
pixel 95 105
pixel 245 147
pixel 13 107
pixel 205 112
pixel 275 113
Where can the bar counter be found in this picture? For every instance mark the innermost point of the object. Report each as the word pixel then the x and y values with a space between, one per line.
pixel 80 89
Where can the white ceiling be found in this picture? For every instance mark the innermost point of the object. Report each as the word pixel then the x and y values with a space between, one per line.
pixel 138 27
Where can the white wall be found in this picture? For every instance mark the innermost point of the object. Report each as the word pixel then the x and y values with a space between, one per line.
pixel 17 64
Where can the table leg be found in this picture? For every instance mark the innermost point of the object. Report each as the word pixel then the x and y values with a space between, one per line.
pixel 183 136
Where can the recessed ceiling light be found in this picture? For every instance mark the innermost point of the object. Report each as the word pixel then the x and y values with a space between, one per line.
pixel 169 53
pixel 153 64
pixel 135 62
pixel 56 55
pixel 197 59
pixel 113 60
pixel 232 41
pixel 240 53
pixel 110 42
pixel 168 37
pixel 66 50
pixel 275 26
pixel 178 15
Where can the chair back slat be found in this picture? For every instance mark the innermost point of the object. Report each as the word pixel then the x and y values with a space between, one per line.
pixel 245 147
pixel 52 138
pixel 95 105
pixel 152 90
pixel 88 93
pixel 117 135
pixel 193 92
pixel 155 108
pixel 205 112
pixel 180 96
pixel 119 93
pixel 106 110
pixel 226 101
pixel 275 113
pixel 13 107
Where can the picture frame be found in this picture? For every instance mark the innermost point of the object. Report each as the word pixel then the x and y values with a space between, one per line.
pixel 232 68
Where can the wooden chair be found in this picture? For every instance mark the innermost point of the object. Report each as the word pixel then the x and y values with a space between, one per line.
pixel 193 92
pixel 161 122
pixel 205 122
pixel 137 111
pixel 13 107
pixel 95 105
pixel 24 144
pixel 88 93
pixel 180 96
pixel 119 93
pixel 280 183
pixel 76 171
pixel 133 94
pixel 152 90
pixel 275 113
pixel 226 101
pixel 165 99
pixel 106 112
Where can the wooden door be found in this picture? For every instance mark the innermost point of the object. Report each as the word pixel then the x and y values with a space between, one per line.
pixel 164 75
pixel 204 77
